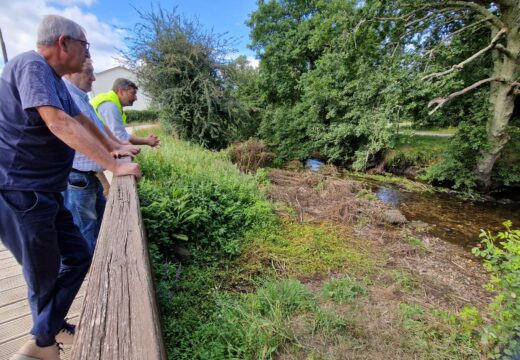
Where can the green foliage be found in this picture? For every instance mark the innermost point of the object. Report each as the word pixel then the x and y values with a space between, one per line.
pixel 254 326
pixel 436 334
pixel 199 197
pixel 501 254
pixel 244 79
pixel 338 77
pixel 415 151
pixel 303 250
pixel 141 116
pixel 290 296
pixel 366 194
pixel 182 67
pixel 314 81
pixel 460 158
pixel 407 281
pixel 192 195
pixel 343 291
pixel 329 323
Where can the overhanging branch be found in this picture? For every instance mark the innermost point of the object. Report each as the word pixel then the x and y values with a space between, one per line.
pixel 472 25
pixel 468 60
pixel 442 101
pixel 493 19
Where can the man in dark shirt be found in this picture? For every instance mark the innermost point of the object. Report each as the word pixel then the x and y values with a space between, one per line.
pixel 40 126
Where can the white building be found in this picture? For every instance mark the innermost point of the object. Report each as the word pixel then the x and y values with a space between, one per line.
pixel 105 80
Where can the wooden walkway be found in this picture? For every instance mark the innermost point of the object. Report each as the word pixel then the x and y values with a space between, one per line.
pixel 15 316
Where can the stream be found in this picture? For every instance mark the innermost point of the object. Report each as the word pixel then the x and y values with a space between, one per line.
pixel 450 218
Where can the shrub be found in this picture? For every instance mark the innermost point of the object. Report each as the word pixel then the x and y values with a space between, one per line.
pixel 197 196
pixel 141 116
pixel 501 254
pixel 183 68
pixel 194 195
pixel 250 155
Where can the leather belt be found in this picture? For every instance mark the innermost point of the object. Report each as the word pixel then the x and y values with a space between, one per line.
pixel 90 172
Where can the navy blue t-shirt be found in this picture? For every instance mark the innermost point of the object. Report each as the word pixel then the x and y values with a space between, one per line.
pixel 31 157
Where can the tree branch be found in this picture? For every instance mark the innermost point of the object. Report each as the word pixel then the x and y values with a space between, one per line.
pixel 442 101
pixel 493 19
pixel 506 52
pixel 468 60
pixel 476 23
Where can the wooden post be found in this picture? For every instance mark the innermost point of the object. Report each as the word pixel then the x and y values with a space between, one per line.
pixel 4 51
pixel 120 318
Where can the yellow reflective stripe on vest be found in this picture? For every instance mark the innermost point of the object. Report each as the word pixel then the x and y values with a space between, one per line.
pixel 110 96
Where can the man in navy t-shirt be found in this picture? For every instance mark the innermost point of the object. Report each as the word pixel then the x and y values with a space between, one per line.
pixel 39 127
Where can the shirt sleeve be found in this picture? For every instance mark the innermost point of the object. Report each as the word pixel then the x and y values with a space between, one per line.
pixel 112 117
pixel 36 87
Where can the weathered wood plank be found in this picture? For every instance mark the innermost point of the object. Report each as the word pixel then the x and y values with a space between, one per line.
pixel 119 318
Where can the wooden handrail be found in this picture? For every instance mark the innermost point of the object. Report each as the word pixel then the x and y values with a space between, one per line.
pixel 120 319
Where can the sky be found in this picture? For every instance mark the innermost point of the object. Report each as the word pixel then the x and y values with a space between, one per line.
pixel 107 22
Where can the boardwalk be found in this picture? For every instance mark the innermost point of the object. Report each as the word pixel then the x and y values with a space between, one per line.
pixel 15 316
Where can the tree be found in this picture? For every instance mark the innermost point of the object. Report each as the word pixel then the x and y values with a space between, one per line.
pixel 183 68
pixel 323 79
pixel 502 18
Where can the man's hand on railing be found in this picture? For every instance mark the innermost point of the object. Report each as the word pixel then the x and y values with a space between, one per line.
pixel 126 150
pixel 128 169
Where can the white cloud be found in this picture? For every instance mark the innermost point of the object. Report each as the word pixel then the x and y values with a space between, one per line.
pixel 19 21
pixel 74 2
pixel 253 62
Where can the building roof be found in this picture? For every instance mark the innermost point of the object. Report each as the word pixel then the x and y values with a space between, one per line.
pixel 114 68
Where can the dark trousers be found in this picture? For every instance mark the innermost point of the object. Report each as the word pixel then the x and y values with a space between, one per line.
pixel 40 233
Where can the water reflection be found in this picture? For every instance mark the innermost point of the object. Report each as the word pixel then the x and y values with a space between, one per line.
pixel 389 196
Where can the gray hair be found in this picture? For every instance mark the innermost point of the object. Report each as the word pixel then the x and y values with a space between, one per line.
pixel 123 84
pixel 54 26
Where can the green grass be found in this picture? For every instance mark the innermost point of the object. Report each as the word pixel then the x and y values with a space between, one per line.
pixel 424 143
pixel 344 290
pixel 254 289
pixel 306 250
pixel 449 130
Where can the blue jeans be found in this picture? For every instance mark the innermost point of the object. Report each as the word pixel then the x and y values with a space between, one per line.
pixel 39 231
pixel 85 200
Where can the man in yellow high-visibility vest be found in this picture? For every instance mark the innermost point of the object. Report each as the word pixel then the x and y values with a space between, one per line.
pixel 109 107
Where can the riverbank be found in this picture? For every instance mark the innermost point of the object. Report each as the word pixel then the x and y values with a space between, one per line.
pixel 325 276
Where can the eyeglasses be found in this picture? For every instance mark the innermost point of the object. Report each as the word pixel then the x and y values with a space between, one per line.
pixel 86 44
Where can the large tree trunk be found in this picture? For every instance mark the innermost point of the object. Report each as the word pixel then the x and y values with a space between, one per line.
pixel 502 98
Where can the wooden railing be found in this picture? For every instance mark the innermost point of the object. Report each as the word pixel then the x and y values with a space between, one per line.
pixel 119 318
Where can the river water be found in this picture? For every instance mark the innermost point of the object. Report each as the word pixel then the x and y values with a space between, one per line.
pixel 450 218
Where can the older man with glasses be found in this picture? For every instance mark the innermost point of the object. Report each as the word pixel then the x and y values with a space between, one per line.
pixel 40 126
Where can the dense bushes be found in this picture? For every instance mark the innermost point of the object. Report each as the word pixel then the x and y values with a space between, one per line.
pixel 198 198
pixel 141 116
pixel 501 254
pixel 182 67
